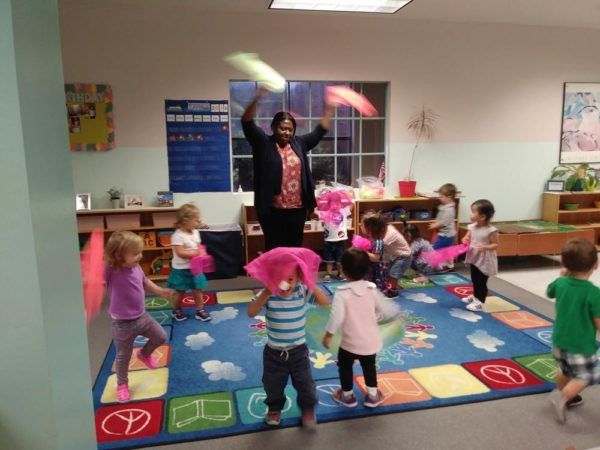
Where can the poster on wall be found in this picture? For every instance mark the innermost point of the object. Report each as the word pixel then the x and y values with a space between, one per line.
pixel 580 134
pixel 198 145
pixel 90 117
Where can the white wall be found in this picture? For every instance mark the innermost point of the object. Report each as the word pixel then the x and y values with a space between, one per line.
pixel 497 89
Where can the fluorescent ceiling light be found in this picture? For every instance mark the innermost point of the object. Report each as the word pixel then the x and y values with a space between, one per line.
pixel 371 6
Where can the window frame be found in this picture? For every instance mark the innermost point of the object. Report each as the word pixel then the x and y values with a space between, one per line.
pixel 312 121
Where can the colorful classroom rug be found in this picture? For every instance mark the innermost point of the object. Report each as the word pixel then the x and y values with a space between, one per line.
pixel 209 382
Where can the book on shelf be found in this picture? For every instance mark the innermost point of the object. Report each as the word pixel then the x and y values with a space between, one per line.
pixel 165 198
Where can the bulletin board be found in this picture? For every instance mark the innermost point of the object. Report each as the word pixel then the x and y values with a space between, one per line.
pixel 90 117
pixel 198 145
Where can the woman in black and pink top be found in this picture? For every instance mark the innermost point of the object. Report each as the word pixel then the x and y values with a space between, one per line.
pixel 284 190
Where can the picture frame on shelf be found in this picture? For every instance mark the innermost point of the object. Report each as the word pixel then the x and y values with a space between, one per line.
pixel 164 198
pixel 580 121
pixel 555 186
pixel 133 201
pixel 83 202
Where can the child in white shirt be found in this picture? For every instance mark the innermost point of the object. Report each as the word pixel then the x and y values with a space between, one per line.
pixel 355 310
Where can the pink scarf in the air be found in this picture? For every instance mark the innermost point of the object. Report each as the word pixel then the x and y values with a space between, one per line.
pixel 275 266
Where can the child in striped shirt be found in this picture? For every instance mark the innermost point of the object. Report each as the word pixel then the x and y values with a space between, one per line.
pixel 286 352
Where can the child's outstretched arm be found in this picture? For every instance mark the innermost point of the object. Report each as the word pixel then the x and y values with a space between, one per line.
pixel 256 305
pixel 152 287
pixel 321 298
pixel 467 237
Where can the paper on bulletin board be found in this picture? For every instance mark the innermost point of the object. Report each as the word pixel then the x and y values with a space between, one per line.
pixel 90 117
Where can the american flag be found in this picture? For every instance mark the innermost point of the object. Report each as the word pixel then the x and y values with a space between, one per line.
pixel 381 175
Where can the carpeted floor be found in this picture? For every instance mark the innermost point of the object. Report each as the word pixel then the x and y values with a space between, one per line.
pixel 439 354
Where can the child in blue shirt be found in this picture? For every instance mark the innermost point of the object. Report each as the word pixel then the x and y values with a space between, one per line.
pixel 286 352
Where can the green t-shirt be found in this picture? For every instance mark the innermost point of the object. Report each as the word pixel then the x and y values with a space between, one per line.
pixel 577 304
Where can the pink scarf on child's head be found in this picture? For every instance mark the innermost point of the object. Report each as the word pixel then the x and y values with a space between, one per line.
pixel 275 266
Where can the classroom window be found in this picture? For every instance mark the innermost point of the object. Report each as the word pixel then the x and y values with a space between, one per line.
pixel 353 147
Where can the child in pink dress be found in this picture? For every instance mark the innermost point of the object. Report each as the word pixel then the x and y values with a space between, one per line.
pixel 355 310
pixel 481 256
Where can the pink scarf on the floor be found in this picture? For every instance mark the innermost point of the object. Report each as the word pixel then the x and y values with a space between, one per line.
pixel 274 267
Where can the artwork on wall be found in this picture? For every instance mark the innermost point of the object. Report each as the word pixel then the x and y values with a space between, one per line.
pixel 90 117
pixel 580 134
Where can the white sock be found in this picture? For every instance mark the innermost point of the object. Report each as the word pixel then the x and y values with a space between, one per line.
pixel 347 393
pixel 372 391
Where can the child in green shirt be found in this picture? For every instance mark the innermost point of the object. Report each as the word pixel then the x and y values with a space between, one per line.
pixel 577 319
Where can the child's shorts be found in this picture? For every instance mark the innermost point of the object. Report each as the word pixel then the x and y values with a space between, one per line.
pixel 333 251
pixel 184 280
pixel 398 266
pixel 575 365
pixel 443 242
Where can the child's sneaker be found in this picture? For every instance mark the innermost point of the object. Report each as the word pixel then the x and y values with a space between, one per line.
pixel 391 293
pixel 468 299
pixel 347 401
pixel 203 315
pixel 374 402
pixel 560 405
pixel 475 306
pixel 123 394
pixel 575 401
pixel 273 418
pixel 178 315
pixel 150 362
pixel 309 420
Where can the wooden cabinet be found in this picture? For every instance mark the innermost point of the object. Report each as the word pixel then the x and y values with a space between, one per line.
pixel 254 239
pixel 586 216
pixel 154 225
pixel 420 211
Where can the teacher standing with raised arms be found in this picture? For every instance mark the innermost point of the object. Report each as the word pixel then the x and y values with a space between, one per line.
pixel 284 190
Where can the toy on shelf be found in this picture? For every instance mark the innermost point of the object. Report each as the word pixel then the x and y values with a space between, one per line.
pixel 161 265
pixel 370 188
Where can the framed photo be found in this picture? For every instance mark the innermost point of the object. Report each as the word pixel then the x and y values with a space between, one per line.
pixel 165 198
pixel 83 202
pixel 580 132
pixel 133 201
pixel 555 185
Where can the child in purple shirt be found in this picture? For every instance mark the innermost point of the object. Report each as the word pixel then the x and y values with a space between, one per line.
pixel 126 285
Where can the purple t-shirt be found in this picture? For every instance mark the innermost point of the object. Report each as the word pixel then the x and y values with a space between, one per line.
pixel 125 287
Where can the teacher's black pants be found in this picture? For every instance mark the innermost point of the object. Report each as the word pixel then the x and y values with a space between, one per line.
pixel 283 227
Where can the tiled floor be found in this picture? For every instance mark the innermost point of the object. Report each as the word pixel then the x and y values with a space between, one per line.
pixel 534 273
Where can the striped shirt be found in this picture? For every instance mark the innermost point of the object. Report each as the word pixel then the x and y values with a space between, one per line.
pixel 286 317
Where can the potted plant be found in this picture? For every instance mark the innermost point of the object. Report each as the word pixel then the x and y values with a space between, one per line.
pixel 115 196
pixel 421 125
pixel 579 177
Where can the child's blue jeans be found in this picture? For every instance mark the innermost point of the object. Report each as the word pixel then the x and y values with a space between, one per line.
pixel 278 365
